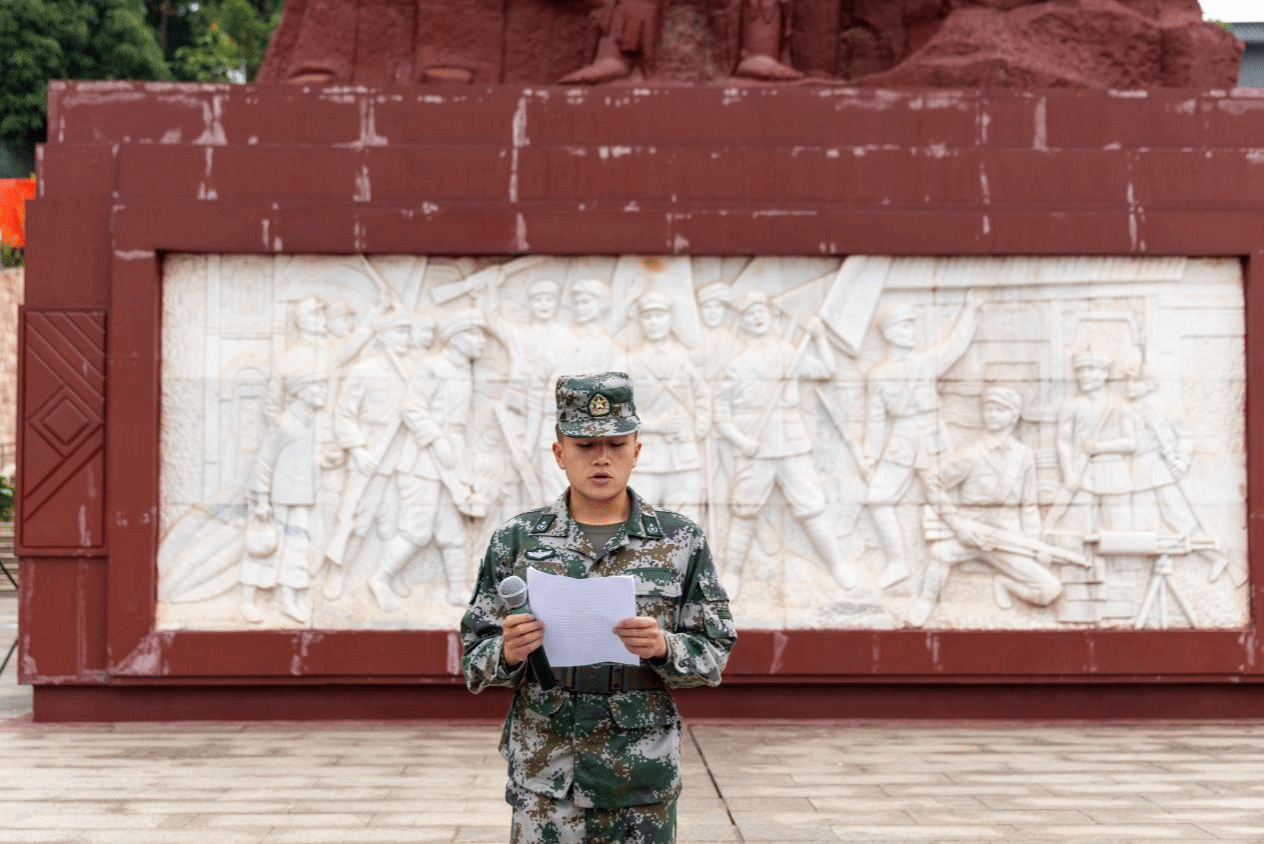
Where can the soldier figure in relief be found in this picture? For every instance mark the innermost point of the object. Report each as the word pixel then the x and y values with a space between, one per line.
pixel 676 406
pixel 435 487
pixel 594 348
pixel 284 488
pixel 757 410
pixel 1096 438
pixel 904 433
pixel 993 512
pixel 367 425
pixel 596 758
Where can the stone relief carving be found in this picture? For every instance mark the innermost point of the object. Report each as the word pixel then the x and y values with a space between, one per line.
pixel 870 442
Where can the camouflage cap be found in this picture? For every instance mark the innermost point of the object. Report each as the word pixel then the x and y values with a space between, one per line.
pixel 596 405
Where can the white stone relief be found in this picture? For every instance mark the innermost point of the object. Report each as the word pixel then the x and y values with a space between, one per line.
pixel 875 442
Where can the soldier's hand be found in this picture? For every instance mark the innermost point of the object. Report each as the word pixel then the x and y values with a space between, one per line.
pixel 443 453
pixel 642 636
pixel 364 464
pixel 522 633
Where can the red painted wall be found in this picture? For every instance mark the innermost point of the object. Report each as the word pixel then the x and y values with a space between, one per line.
pixel 133 170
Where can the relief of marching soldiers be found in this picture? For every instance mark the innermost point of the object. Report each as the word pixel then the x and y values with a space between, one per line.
pixel 414 432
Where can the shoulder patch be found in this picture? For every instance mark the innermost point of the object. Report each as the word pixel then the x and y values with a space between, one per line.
pixel 540 554
pixel 543 523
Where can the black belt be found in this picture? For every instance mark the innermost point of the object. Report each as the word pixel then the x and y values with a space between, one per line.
pixel 607 679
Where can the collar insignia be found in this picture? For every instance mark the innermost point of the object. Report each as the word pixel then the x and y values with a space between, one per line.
pixel 543 523
pixel 651 527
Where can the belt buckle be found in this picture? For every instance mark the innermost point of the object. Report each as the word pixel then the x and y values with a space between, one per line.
pixel 617 678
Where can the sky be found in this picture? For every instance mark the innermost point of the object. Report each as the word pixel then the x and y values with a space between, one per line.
pixel 1233 11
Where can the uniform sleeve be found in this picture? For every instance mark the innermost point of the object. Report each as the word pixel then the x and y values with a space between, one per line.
pixel 482 658
pixel 698 649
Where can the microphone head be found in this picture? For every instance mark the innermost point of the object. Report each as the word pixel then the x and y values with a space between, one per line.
pixel 513 591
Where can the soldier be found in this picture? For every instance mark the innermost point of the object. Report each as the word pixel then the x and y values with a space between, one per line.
pixel 996 481
pixel 367 425
pixel 596 758
pixel 1096 439
pixel 1165 449
pixel 434 489
pixel 594 348
pixel 757 409
pixel 284 488
pixel 677 408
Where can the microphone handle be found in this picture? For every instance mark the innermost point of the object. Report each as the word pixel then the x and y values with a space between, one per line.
pixel 539 662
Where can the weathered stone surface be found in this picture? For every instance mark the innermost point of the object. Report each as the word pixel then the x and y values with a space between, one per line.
pixel 1088 43
pixel 951 43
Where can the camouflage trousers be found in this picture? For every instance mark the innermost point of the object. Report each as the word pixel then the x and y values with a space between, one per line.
pixel 538 819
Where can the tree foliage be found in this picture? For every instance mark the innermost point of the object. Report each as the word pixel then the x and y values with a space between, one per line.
pixel 229 39
pixel 67 39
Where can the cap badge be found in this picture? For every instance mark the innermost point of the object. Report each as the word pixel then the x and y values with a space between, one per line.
pixel 599 405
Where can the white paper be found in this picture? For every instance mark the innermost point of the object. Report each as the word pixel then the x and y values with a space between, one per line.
pixel 579 617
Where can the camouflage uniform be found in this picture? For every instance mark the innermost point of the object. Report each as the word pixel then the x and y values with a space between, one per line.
pixel 574 755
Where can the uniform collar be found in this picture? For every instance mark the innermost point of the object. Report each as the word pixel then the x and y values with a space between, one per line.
pixel 555 520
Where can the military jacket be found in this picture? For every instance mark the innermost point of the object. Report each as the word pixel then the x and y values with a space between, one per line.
pixel 604 750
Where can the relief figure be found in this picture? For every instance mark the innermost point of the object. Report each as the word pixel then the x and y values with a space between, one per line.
pixel 594 347
pixel 675 409
pixel 367 424
pixel 1165 449
pixel 284 490
pixel 757 409
pixel 992 518
pixel 435 488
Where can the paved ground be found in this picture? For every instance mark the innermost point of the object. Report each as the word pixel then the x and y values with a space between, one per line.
pixel 772 784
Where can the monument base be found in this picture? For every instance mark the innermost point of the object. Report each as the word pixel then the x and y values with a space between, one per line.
pixel 1133 701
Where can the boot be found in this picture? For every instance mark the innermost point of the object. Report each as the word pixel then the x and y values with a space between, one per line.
pixel 394 556
pixel 892 541
pixel 928 596
pixel 822 536
pixel 454 568
pixel 293 607
pixel 248 609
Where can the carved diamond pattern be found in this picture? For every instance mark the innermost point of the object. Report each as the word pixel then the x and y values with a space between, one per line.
pixel 65 421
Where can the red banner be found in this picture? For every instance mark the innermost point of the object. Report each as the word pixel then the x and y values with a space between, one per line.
pixel 13 196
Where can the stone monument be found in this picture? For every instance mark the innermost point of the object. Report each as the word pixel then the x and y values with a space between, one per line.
pixel 937 312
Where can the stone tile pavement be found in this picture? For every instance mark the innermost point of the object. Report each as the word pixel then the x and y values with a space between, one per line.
pixel 344 783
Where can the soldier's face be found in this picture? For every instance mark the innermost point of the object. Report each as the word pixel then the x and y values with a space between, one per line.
pixel 712 313
pixel 997 416
pixel 1091 377
pixel 313 321
pixel 398 339
pixel 544 305
pixel 597 468
pixel 656 323
pixel 469 342
pixel 757 319
pixel 902 334
pixel 587 308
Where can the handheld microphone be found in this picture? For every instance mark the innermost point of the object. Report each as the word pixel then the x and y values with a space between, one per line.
pixel 513 591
